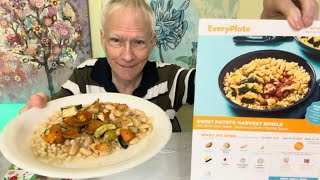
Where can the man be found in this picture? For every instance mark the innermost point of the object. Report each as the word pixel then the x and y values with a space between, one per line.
pixel 128 37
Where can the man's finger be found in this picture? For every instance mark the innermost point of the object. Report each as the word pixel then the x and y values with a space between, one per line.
pixel 309 10
pixel 37 101
pixel 293 14
pixel 26 107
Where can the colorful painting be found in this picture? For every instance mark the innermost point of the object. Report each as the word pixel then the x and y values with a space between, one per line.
pixel 177 27
pixel 41 42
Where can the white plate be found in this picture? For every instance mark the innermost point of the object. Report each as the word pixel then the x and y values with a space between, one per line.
pixel 16 137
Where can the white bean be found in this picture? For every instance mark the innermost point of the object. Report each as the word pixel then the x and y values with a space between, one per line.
pixel 134 140
pixel 136 122
pixel 143 119
pixel 150 128
pixel 139 112
pixel 117 113
pixel 112 117
pixel 86 152
pixel 133 129
pixel 110 107
pixel 141 135
pixel 144 126
pixel 66 148
pixel 72 141
pixel 67 142
pixel 74 148
pixel 118 131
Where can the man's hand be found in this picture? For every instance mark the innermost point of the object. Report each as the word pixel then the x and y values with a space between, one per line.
pixel 37 100
pixel 299 13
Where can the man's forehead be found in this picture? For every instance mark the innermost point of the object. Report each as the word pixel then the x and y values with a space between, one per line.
pixel 126 17
pixel 122 35
pixel 127 30
pixel 128 14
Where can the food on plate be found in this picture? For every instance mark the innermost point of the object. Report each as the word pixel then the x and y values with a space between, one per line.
pixel 298 146
pixel 226 145
pixel 260 161
pixel 243 146
pixel 209 144
pixel 207 159
pixel 83 131
pixel 311 41
pixel 267 84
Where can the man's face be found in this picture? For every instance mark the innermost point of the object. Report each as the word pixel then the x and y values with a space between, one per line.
pixel 128 42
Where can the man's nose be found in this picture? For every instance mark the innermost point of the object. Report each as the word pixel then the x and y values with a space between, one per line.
pixel 127 52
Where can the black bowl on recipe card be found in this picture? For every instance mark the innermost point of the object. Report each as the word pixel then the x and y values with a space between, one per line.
pixel 296 110
pixel 309 45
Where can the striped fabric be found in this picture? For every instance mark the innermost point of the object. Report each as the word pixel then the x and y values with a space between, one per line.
pixel 167 85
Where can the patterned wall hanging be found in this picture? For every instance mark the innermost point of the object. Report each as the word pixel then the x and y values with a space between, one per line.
pixel 41 41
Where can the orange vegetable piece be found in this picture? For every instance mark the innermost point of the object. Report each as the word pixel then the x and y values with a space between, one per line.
pixel 73 121
pixel 95 124
pixel 55 135
pixel 71 133
pixel 126 135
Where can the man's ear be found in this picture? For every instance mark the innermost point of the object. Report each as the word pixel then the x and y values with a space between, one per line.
pixel 154 39
pixel 103 40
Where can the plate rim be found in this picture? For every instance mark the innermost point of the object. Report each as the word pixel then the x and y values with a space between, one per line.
pixel 76 173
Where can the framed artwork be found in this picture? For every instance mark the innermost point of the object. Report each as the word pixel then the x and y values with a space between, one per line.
pixel 41 41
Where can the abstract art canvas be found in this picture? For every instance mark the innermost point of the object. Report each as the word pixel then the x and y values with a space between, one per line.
pixel 177 27
pixel 41 41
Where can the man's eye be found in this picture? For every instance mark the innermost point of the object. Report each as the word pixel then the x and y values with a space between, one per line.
pixel 139 42
pixel 114 40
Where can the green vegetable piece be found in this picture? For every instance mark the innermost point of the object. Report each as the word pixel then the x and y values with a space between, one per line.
pixel 69 111
pixel 100 130
pixel 243 90
pixel 110 135
pixel 248 100
pixel 123 144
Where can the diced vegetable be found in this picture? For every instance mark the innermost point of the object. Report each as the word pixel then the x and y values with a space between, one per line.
pixel 94 125
pixel 123 144
pixel 73 121
pixel 98 132
pixel 126 134
pixel 71 133
pixel 54 135
pixel 69 111
pixel 84 116
pixel 110 135
pixel 100 116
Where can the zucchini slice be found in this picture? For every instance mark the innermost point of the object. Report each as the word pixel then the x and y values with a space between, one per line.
pixel 123 144
pixel 69 111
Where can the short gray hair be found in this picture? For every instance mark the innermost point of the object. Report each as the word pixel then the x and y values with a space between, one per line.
pixel 113 5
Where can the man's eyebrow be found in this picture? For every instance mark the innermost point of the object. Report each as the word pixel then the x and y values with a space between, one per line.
pixel 114 36
pixel 134 38
pixel 139 38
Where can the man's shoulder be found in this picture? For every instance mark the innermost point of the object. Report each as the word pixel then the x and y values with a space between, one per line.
pixel 89 63
pixel 164 65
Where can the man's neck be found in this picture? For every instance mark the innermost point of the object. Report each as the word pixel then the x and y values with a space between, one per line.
pixel 126 87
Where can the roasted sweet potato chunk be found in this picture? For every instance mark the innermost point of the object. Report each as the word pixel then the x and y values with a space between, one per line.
pixel 71 133
pixel 54 136
pixel 84 116
pixel 73 121
pixel 95 124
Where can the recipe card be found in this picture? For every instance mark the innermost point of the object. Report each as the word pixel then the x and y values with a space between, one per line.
pixel 257 108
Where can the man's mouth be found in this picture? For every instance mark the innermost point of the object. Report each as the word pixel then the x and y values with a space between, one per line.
pixel 126 66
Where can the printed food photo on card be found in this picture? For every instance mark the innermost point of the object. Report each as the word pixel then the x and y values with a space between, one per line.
pixel 257 93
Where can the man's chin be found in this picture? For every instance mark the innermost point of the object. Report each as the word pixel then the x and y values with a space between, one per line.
pixel 127 77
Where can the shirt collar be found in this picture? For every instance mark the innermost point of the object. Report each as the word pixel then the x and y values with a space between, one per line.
pixel 101 73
